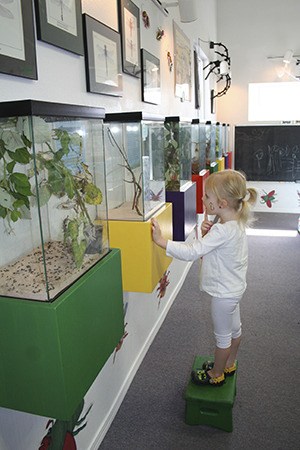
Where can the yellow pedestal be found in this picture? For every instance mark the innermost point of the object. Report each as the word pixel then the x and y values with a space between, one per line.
pixel 221 163
pixel 143 262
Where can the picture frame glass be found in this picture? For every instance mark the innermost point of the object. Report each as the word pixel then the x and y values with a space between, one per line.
pixel 183 64
pixel 151 90
pixel 17 42
pixel 129 27
pixel 59 23
pixel 102 58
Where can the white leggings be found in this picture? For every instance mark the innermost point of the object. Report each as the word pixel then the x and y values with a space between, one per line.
pixel 225 313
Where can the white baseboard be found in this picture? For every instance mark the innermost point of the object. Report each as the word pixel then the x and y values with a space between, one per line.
pixel 106 423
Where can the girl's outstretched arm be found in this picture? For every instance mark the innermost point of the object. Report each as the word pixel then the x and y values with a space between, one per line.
pixel 156 234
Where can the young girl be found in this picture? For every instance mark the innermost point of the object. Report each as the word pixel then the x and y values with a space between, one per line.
pixel 224 252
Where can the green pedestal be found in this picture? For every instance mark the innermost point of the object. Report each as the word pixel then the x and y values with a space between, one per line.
pixel 50 353
pixel 210 405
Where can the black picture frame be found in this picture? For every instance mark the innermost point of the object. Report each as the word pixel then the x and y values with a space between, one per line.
pixel 129 28
pixel 16 25
pixel 197 81
pixel 60 24
pixel 102 58
pixel 151 92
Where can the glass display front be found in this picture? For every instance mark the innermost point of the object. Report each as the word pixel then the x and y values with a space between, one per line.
pixel 218 133
pixel 198 146
pixel 210 155
pixel 53 212
pixel 134 158
pixel 178 153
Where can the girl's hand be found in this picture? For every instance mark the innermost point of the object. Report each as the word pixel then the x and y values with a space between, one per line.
pixel 206 225
pixel 156 234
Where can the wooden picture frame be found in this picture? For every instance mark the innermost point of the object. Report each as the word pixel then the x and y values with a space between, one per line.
pixel 17 42
pixel 60 24
pixel 129 27
pixel 182 63
pixel 102 58
pixel 151 92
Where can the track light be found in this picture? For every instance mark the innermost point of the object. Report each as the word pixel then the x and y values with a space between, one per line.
pixel 187 9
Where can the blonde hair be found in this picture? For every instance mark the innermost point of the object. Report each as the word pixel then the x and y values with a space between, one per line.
pixel 230 185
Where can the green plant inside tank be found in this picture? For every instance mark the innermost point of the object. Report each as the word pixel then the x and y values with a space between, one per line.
pixel 172 156
pixel 20 168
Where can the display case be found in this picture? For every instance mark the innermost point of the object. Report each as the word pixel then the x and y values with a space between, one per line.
pixel 180 190
pixel 134 153
pixel 199 171
pixel 218 141
pixel 178 153
pixel 53 212
pixel 61 297
pixel 210 154
pixel 198 146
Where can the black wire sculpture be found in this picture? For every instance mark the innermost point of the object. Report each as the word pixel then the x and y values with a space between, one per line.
pixel 215 68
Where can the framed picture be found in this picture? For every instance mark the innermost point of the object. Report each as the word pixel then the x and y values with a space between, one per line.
pixel 102 58
pixel 17 43
pixel 183 64
pixel 197 81
pixel 150 78
pixel 59 22
pixel 129 27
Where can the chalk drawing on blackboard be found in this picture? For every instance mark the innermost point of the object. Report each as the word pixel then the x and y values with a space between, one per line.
pixel 268 153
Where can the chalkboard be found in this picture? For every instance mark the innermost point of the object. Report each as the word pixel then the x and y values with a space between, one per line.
pixel 268 152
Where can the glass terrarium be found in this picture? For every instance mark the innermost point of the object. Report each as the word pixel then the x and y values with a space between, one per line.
pixel 223 140
pixel 218 132
pixel 178 153
pixel 210 134
pixel 198 146
pixel 53 212
pixel 134 158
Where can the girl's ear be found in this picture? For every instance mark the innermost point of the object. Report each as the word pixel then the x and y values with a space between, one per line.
pixel 223 203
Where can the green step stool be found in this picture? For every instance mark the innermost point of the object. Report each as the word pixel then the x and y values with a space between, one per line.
pixel 210 405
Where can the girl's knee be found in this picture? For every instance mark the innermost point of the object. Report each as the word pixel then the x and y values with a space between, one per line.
pixel 223 341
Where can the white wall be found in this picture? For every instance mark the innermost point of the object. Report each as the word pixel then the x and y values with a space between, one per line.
pixel 61 78
pixel 61 74
pixel 253 31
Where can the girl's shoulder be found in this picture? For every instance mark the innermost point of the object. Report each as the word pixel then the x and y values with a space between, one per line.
pixel 232 227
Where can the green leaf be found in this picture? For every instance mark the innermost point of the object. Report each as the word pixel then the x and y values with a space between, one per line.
pixel 6 200
pixel 69 186
pixel 21 155
pixel 44 194
pixel 26 141
pixel 10 166
pixel 2 148
pixel 3 212
pixel 15 215
pixel 21 183
pixel 12 140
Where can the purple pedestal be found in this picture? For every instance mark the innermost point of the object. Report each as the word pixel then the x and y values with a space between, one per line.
pixel 184 210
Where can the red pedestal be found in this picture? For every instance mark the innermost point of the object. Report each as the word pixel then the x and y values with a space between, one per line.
pixel 199 180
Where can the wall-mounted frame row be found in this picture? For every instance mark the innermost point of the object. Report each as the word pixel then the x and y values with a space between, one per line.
pixel 107 52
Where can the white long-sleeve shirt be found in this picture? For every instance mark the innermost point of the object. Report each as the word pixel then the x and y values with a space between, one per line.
pixel 225 258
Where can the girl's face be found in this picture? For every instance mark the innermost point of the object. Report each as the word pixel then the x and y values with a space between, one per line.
pixel 210 202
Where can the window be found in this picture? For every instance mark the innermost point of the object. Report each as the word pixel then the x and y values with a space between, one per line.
pixel 278 101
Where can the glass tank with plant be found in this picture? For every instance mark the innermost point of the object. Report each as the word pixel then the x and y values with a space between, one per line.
pixel 198 146
pixel 53 212
pixel 178 153
pixel 134 155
